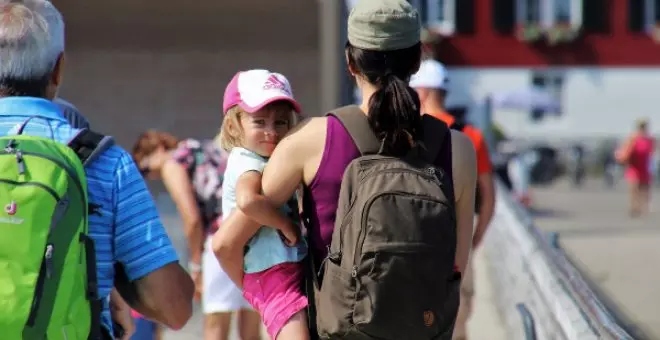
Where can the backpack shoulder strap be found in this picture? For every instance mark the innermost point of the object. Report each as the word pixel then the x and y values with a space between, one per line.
pixel 357 125
pixel 435 134
pixel 437 142
pixel 88 145
pixel 458 126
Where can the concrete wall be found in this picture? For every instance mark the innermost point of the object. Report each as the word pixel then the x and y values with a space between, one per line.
pixel 164 64
pixel 596 102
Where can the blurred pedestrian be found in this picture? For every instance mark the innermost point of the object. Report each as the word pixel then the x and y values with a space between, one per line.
pixel 193 172
pixel 636 154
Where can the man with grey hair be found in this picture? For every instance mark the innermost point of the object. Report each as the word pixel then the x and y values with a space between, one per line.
pixel 123 222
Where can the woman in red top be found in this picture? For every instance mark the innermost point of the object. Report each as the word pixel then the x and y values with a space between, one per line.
pixel 637 153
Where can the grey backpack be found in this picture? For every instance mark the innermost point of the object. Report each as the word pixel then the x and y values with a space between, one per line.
pixel 390 271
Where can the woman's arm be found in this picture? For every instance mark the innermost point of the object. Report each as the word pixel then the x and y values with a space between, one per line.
pixel 465 181
pixel 622 154
pixel 256 206
pixel 178 184
pixel 286 166
pixel 229 243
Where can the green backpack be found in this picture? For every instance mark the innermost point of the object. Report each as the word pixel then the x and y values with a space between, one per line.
pixel 48 286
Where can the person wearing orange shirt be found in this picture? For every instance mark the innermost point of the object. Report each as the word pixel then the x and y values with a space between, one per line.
pixel 431 83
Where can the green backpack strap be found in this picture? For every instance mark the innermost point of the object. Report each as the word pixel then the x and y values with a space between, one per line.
pixel 88 145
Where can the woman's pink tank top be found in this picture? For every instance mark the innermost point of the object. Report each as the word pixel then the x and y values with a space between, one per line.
pixel 322 196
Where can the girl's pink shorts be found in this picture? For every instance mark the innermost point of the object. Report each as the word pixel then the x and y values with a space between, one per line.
pixel 276 293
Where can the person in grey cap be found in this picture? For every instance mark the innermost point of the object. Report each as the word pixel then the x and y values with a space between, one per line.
pixel 72 115
pixel 382 52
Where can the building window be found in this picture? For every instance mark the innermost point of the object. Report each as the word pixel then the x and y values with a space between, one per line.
pixel 549 81
pixel 529 12
pixel 596 15
pixel 652 15
pixel 549 13
pixel 440 15
pixel 437 15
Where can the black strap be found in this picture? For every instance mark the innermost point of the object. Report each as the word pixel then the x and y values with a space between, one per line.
pixel 311 281
pixel 458 126
pixel 435 134
pixel 357 125
pixel 96 305
pixel 437 140
pixel 88 145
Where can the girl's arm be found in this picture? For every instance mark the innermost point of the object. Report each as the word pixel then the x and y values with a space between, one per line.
pixel 256 206
pixel 229 242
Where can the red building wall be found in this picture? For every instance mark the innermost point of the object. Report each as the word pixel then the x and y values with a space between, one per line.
pixel 487 48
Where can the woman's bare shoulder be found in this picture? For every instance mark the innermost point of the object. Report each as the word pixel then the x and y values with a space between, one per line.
pixel 302 139
pixel 463 152
pixel 464 161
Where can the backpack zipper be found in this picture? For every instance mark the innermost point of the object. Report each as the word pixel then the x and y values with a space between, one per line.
pixel 362 234
pixel 46 266
pixel 429 173
pixel 67 169
pixel 36 184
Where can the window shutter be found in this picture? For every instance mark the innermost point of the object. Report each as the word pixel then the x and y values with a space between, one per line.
pixel 596 16
pixel 636 15
pixel 503 16
pixel 465 16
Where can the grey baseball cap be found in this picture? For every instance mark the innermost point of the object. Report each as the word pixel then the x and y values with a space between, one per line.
pixel 383 25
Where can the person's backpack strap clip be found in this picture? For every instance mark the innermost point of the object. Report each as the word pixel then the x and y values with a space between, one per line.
pixel 88 145
pixel 357 125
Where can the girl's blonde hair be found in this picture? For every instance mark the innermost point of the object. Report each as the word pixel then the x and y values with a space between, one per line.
pixel 231 131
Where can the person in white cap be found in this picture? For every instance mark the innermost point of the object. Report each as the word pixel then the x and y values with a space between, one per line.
pixel 432 84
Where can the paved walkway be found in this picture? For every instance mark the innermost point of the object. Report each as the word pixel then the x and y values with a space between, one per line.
pixel 484 325
pixel 618 254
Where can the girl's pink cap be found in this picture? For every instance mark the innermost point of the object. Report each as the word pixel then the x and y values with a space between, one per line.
pixel 254 89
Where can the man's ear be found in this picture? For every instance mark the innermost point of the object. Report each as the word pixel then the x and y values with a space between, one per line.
pixel 55 78
pixel 58 71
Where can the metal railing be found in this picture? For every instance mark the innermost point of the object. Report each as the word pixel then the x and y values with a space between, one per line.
pixel 528 321
pixel 598 316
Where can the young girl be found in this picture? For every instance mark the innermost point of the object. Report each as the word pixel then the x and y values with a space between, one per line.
pixel 259 110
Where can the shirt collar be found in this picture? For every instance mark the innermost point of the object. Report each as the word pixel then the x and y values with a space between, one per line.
pixel 30 106
pixel 443 116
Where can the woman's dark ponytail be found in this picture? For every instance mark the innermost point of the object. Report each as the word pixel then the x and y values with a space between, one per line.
pixel 394 109
pixel 394 115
